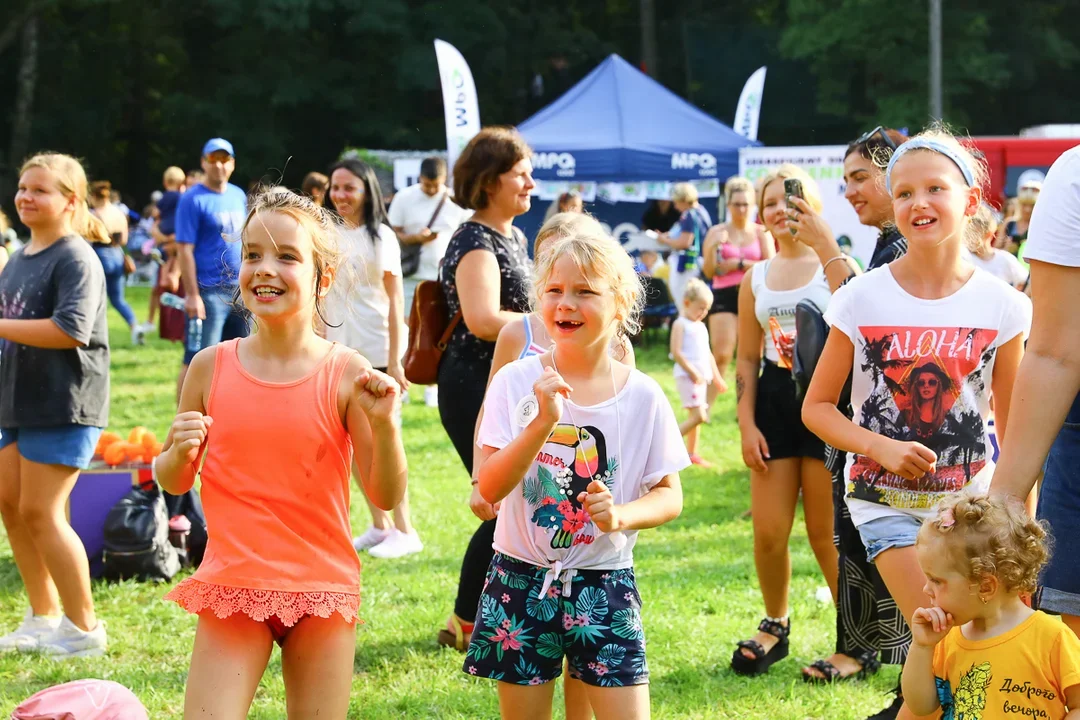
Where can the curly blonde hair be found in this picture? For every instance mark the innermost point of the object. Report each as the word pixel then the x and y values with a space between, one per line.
pixel 599 257
pixel 990 535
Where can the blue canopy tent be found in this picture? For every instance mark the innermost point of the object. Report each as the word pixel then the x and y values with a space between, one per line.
pixel 619 125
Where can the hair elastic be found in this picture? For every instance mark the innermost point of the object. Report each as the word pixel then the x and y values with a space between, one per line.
pixel 929 144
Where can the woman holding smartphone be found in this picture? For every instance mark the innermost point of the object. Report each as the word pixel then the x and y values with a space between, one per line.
pixel 783 456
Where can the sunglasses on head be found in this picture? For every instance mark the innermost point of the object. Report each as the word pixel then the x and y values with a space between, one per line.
pixel 879 130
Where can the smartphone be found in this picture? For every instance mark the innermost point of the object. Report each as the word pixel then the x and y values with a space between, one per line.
pixel 792 188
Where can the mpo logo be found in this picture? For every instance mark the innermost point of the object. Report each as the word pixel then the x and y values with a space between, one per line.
pixel 563 164
pixel 704 163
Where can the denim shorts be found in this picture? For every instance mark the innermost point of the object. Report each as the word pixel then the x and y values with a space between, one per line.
pixel 522 634
pixel 890 531
pixel 1059 507
pixel 68 445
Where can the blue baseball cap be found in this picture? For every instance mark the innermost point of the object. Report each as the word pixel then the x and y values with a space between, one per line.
pixel 216 144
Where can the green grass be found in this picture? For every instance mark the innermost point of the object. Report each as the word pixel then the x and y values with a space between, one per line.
pixel 696 576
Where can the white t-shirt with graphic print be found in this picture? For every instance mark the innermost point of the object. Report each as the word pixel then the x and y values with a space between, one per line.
pixel 922 372
pixel 630 441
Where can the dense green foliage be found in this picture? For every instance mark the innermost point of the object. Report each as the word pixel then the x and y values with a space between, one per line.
pixel 135 85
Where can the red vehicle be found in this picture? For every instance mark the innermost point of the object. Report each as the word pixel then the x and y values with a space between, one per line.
pixel 1009 157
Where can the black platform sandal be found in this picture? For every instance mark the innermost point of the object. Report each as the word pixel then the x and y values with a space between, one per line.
pixel 867 659
pixel 762 660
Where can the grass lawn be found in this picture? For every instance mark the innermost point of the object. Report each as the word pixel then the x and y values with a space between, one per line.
pixel 696 576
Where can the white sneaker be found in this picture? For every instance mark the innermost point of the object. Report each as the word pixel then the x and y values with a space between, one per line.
pixel 398 544
pixel 138 335
pixel 371 537
pixel 69 641
pixel 431 396
pixel 29 635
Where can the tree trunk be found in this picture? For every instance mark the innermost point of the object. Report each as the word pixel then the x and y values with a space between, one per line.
pixel 26 81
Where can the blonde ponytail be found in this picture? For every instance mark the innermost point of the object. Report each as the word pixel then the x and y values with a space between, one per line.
pixel 89 225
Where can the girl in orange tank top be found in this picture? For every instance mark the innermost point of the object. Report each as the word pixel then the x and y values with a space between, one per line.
pixel 272 423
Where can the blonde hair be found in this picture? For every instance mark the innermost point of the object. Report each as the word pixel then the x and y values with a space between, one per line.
pixel 697 290
pixel 173 177
pixel 564 224
pixel 738 184
pixel 321 225
pixel 984 221
pixel 990 535
pixel 71 182
pixel 598 257
pixel 811 193
pixel 684 192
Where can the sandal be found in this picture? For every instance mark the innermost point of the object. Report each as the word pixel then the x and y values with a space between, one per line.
pixel 762 660
pixel 867 659
pixel 455 635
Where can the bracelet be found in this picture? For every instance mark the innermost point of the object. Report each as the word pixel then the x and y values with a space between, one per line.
pixel 830 261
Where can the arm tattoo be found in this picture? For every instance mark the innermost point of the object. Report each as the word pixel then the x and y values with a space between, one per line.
pixel 740 387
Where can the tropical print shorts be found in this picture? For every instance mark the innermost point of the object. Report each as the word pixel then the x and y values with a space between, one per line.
pixel 522 638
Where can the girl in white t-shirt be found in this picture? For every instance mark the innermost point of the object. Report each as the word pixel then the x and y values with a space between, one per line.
pixel 982 253
pixel 929 338
pixel 784 458
pixel 582 452
pixel 697 378
pixel 365 313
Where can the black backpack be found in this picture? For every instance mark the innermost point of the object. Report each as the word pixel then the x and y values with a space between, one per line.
pixel 137 538
pixel 811 332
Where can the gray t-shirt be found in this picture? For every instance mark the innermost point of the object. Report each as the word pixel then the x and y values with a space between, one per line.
pixel 41 387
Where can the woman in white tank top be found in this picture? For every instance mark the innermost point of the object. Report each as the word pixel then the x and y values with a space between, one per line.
pixel 783 456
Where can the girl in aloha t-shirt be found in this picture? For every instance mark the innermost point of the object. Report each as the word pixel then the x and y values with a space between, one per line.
pixel 575 484
pixel 929 338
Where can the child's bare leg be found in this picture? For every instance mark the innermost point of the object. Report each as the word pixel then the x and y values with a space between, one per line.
pixel 696 416
pixel 692 436
pixel 525 702
pixel 620 703
pixel 317 666
pixel 576 697
pixel 227 663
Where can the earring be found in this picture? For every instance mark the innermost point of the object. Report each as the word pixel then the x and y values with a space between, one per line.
pixel 984 600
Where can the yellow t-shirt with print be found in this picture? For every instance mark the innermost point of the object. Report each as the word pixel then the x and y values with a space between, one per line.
pixel 1019 674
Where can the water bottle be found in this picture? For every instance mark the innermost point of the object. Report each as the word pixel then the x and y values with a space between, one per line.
pixel 193 329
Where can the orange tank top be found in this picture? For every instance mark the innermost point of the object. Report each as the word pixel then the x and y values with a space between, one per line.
pixel 275 483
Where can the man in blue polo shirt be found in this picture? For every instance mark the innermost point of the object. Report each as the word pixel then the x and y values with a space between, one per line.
pixel 208 221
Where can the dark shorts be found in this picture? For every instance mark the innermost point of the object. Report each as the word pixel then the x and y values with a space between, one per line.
pixel 778 414
pixel 725 300
pixel 1059 506
pixel 521 639
pixel 68 445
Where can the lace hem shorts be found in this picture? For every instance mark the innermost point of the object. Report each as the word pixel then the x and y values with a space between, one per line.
pixel 280 610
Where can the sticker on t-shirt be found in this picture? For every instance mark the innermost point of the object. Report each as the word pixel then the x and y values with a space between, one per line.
pixel 926 382
pixel 571 458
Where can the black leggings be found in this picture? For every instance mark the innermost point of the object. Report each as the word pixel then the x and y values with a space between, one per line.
pixel 867 617
pixel 461 395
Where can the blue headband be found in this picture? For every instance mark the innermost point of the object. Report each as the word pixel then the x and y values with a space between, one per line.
pixel 929 144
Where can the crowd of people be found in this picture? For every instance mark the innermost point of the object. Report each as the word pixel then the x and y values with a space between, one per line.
pixel 930 554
